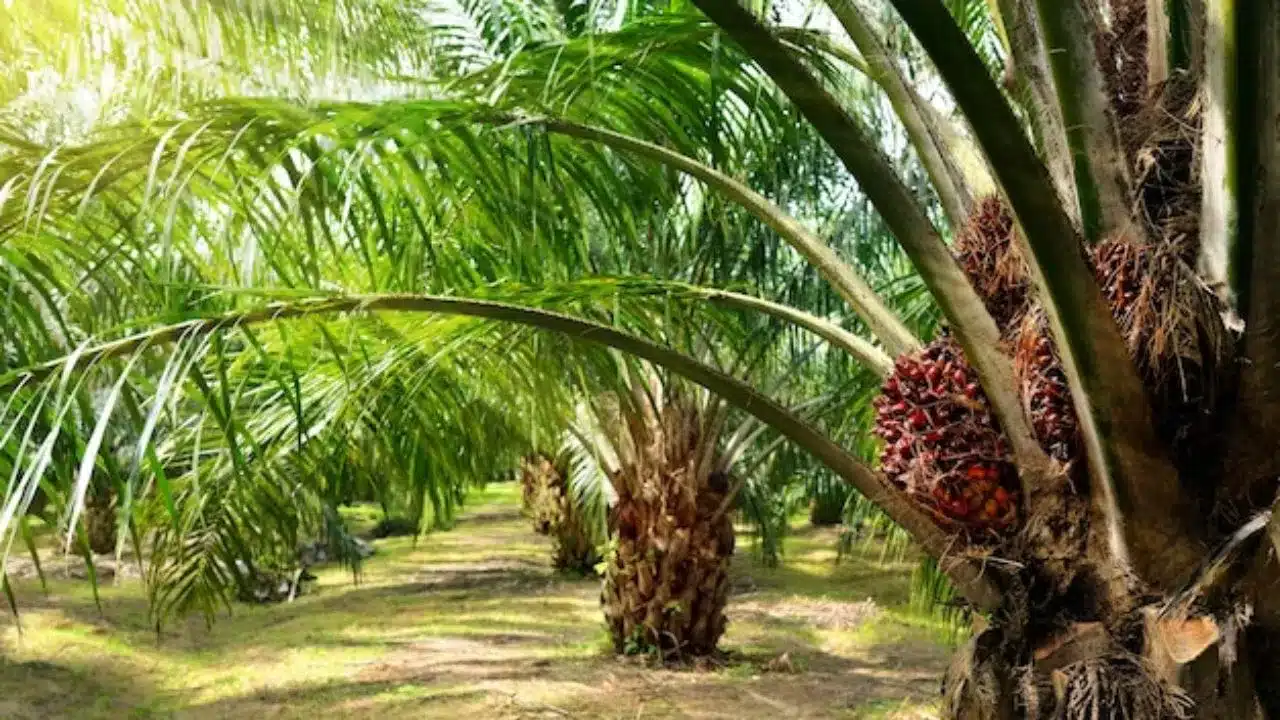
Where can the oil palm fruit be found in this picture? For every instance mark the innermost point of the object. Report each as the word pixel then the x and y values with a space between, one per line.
pixel 942 444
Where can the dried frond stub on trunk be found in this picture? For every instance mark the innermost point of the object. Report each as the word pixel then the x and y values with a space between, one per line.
pixel 987 251
pixel 667 580
pixel 1121 686
pixel 975 682
pixel 942 443
pixel 1083 673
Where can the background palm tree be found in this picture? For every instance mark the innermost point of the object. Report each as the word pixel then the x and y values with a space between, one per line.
pixel 500 170
pixel 556 511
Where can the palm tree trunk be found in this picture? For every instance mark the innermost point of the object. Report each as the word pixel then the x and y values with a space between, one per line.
pixel 826 511
pixel 1172 670
pixel 667 584
pixel 100 522
pixel 537 491
pixel 573 550
pixel 826 502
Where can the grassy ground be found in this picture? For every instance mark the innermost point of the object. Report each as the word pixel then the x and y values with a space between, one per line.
pixel 472 623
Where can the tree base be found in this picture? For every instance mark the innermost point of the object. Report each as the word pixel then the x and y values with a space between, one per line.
pixel 1156 668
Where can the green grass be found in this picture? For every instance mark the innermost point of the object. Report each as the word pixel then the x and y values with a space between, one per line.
pixel 472 622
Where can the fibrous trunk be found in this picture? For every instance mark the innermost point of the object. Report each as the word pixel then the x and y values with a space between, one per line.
pixel 667 584
pixel 541 491
pixel 667 581
pixel 572 547
pixel 100 522
pixel 1156 666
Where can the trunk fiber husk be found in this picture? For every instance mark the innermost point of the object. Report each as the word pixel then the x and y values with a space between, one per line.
pixel 667 584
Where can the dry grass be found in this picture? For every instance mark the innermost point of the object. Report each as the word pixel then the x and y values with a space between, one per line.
pixel 473 623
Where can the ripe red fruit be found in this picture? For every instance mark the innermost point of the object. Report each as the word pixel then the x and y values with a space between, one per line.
pixel 938 431
pixel 1045 389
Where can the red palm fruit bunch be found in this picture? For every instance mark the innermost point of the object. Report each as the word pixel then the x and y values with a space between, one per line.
pixel 942 444
pixel 1177 339
pixel 988 253
pixel 1046 395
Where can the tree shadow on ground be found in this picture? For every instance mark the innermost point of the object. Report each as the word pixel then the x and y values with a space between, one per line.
pixel 39 689
pixel 446 681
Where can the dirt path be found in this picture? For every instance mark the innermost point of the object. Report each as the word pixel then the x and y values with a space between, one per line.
pixel 473 623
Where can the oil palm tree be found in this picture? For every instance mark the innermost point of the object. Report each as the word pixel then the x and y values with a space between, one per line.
pixel 1123 574
pixel 666 579
pixel 1103 178
pixel 670 465
pixel 560 513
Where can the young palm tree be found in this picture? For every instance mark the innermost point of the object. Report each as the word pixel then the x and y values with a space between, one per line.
pixel 826 501
pixel 1099 482
pixel 667 584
